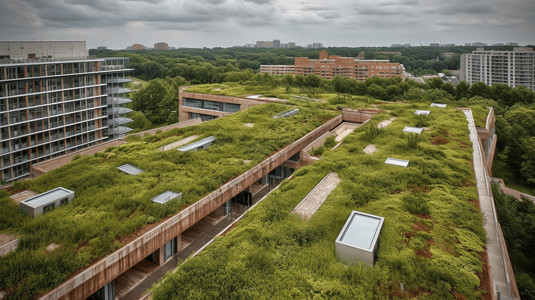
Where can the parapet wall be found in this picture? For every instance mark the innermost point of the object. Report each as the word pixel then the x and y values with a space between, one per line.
pixel 110 267
pixel 488 140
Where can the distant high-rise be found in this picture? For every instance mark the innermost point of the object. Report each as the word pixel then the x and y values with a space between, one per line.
pixel 161 46
pixel 291 45
pixel 315 45
pixel 54 98
pixel 276 44
pixel 512 68
pixel 264 44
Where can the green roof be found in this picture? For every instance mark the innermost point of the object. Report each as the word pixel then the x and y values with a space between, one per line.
pixel 110 205
pixel 431 241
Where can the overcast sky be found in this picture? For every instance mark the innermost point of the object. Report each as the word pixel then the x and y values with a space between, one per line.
pixel 224 23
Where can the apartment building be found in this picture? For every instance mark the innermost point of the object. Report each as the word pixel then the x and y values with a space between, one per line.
pixel 328 66
pixel 54 98
pixel 277 69
pixel 513 68
pixel 161 46
pixel 365 69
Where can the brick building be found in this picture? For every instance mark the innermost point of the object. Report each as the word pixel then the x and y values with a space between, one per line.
pixel 328 66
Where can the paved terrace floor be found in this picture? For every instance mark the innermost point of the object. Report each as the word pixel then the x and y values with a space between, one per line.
pixel 496 254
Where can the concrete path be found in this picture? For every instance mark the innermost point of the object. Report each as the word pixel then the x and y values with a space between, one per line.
pixel 178 143
pixel 310 204
pixel 498 259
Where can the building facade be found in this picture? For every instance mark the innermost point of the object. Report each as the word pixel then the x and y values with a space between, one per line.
pixel 277 69
pixel 51 104
pixel 138 47
pixel 329 66
pixel 161 46
pixel 208 107
pixel 513 68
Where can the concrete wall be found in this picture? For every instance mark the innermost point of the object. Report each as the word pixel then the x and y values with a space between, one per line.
pixel 110 267
pixel 488 140
pixel 243 102
pixel 355 116
pixel 9 247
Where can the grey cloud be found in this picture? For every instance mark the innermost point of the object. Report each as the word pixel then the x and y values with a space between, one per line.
pixel 259 1
pixel 329 14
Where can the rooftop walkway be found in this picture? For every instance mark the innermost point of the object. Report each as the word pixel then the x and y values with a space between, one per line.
pixel 501 272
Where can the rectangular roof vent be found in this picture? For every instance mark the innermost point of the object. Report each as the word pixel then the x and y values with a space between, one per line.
pixel 440 105
pixel 412 129
pixel 130 169
pixel 166 197
pixel 358 240
pixel 287 113
pixel 422 112
pixel 198 145
pixel 397 162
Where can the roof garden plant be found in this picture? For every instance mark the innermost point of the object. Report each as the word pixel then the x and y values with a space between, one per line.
pixel 431 241
pixel 110 205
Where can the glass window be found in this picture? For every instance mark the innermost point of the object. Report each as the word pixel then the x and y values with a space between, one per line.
pixel 170 249
pixel 48 208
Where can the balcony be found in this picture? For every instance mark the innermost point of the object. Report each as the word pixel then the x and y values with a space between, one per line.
pixel 119 121
pixel 118 100
pixel 118 110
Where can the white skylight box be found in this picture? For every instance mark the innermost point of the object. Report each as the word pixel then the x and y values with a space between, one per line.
pixel 439 105
pixel 412 129
pixel 397 162
pixel 198 145
pixel 358 240
pixel 167 196
pixel 287 113
pixel 422 112
pixel 130 169
pixel 47 201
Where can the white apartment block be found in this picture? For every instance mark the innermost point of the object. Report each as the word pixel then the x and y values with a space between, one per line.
pixel 512 68
pixel 277 69
pixel 54 99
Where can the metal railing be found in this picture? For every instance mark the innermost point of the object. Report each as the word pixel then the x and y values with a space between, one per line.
pixel 44 59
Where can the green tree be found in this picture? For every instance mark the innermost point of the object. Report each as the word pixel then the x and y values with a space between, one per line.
pixel 462 90
pixel 377 91
pixel 156 100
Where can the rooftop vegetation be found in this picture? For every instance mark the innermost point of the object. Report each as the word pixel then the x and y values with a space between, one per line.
pixel 110 206
pixel 431 242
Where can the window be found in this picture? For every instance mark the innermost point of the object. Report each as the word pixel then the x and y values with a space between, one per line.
pixel 48 208
pixel 169 249
pixel 63 201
